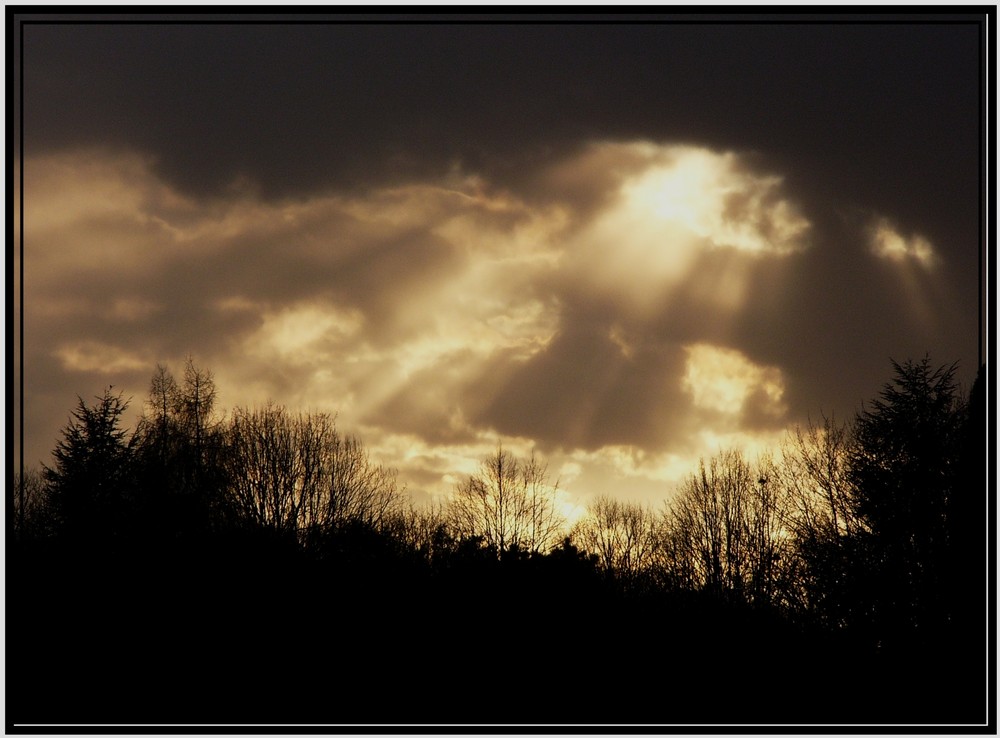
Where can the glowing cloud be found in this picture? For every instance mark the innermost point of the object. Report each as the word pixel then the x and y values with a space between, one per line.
pixel 724 381
pixel 433 318
pixel 294 333
pixel 674 204
pixel 711 196
pixel 103 358
pixel 887 243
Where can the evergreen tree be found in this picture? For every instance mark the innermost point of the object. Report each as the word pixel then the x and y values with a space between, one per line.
pixel 89 486
pixel 904 469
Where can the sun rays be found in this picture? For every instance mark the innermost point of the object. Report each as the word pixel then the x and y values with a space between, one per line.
pixel 600 324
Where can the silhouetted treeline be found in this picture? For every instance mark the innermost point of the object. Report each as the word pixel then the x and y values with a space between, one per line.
pixel 262 568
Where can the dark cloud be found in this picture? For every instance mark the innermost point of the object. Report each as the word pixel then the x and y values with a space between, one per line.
pixel 834 315
pixel 886 115
pixel 299 106
pixel 426 225
pixel 583 391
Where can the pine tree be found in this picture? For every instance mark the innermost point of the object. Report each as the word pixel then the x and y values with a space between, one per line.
pixel 89 486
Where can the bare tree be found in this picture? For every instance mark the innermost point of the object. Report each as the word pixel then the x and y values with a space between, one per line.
pixel 768 541
pixel 179 438
pixel 814 471
pixel 820 516
pixel 358 489
pixel 197 398
pixel 30 504
pixel 265 469
pixel 724 532
pixel 424 529
pixel 623 535
pixel 509 504
pixel 297 473
pixel 158 424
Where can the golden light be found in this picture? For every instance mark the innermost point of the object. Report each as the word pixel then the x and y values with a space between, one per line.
pixel 293 333
pixel 715 199
pixel 683 191
pixel 669 221
pixel 888 243
pixel 629 462
pixel 723 380
pixel 570 510
pixel 914 260
pixel 751 444
pixel 96 356
pixel 676 204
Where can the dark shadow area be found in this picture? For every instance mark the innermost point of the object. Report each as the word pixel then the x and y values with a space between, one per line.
pixel 262 569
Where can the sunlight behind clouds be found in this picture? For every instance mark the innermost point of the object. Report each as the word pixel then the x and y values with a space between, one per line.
pixel 440 317
pixel 711 196
pixel 294 332
pixel 723 380
pixel 887 243
pixel 675 205
pixel 917 269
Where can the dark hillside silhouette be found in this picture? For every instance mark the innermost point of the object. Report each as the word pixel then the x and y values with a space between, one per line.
pixel 260 567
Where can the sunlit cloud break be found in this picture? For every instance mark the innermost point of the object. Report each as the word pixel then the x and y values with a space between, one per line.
pixel 888 243
pixel 674 206
pixel 603 323
pixel 725 381
pixel 713 196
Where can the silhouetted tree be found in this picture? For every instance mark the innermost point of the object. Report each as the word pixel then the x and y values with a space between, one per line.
pixel 88 487
pixel 624 536
pixel 814 470
pixel 768 550
pixel 424 530
pixel 724 532
pixel 359 490
pixel 903 469
pixel 178 445
pixel 160 451
pixel 197 408
pixel 297 474
pixel 160 421
pixel 822 519
pixel 31 518
pixel 863 526
pixel 202 426
pixel 509 504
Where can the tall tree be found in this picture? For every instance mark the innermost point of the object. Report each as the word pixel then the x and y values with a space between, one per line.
pixel 724 534
pixel 31 509
pixel 158 424
pixel 904 468
pixel 159 435
pixel 88 486
pixel 297 473
pixel 821 517
pixel 623 535
pixel 509 504
pixel 178 445
pixel 196 397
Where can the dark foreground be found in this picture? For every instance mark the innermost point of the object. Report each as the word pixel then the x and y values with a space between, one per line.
pixel 253 633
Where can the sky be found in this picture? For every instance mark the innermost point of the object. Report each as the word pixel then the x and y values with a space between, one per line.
pixel 624 245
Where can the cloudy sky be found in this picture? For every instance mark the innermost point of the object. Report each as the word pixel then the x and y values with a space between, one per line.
pixel 625 245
